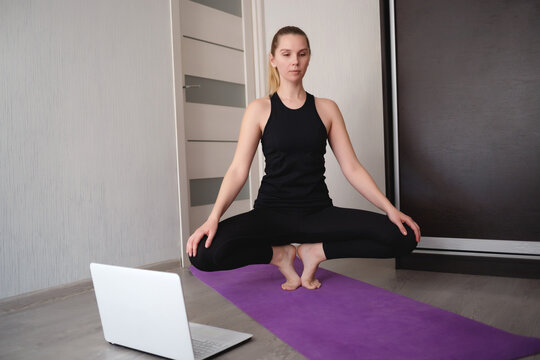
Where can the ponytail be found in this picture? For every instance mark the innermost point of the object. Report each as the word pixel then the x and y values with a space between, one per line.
pixel 273 79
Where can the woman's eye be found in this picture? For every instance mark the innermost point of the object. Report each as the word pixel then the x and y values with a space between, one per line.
pixel 303 54
pixel 285 54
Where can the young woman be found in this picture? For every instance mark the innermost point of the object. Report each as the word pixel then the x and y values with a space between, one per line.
pixel 293 205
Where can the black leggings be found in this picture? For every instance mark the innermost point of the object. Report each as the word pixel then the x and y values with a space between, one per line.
pixel 248 238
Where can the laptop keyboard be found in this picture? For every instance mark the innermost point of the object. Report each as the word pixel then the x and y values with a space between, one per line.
pixel 202 348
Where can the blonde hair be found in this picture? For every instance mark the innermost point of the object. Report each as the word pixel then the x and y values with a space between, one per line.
pixel 273 73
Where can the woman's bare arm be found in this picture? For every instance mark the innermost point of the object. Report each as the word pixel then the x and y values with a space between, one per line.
pixel 236 175
pixel 238 172
pixel 355 173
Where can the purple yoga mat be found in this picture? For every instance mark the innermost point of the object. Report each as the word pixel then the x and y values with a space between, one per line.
pixel 350 319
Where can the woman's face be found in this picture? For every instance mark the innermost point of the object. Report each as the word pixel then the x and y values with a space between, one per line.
pixel 291 57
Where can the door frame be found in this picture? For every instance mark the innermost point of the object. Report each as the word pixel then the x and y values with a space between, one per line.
pixel 250 26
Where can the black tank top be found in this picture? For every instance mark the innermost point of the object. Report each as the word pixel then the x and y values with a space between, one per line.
pixel 294 144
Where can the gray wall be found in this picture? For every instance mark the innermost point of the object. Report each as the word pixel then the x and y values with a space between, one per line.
pixel 87 139
pixel 346 67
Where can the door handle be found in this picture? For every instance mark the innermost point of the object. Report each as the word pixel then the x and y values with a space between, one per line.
pixel 191 86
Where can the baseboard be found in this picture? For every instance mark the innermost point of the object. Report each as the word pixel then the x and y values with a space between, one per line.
pixel 473 265
pixel 34 298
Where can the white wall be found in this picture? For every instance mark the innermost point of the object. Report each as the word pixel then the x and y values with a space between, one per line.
pixel 87 139
pixel 346 67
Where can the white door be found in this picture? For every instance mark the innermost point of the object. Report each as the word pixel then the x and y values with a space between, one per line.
pixel 212 88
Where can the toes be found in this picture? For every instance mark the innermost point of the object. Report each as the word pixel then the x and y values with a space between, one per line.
pixel 290 287
pixel 311 284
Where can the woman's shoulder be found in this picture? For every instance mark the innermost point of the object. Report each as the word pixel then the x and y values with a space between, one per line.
pixel 259 106
pixel 324 102
pixel 327 108
pixel 258 111
pixel 260 102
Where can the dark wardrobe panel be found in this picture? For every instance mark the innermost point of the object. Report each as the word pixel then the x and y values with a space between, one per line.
pixel 468 85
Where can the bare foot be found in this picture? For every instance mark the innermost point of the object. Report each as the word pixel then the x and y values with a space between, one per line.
pixel 283 258
pixel 311 255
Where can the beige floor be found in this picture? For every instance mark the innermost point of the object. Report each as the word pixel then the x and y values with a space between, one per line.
pixel 69 328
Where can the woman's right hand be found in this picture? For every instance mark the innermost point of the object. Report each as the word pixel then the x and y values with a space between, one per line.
pixel 209 229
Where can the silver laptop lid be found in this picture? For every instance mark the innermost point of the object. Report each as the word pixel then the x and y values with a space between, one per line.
pixel 143 310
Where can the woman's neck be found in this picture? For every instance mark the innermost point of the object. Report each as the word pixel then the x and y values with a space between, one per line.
pixel 291 92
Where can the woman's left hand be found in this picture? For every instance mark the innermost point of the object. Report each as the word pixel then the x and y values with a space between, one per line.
pixel 398 218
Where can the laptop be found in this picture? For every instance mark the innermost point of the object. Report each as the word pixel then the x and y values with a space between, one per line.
pixel 145 310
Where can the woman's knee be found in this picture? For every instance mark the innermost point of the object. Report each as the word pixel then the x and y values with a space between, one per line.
pixel 201 263
pixel 215 257
pixel 407 243
pixel 204 259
